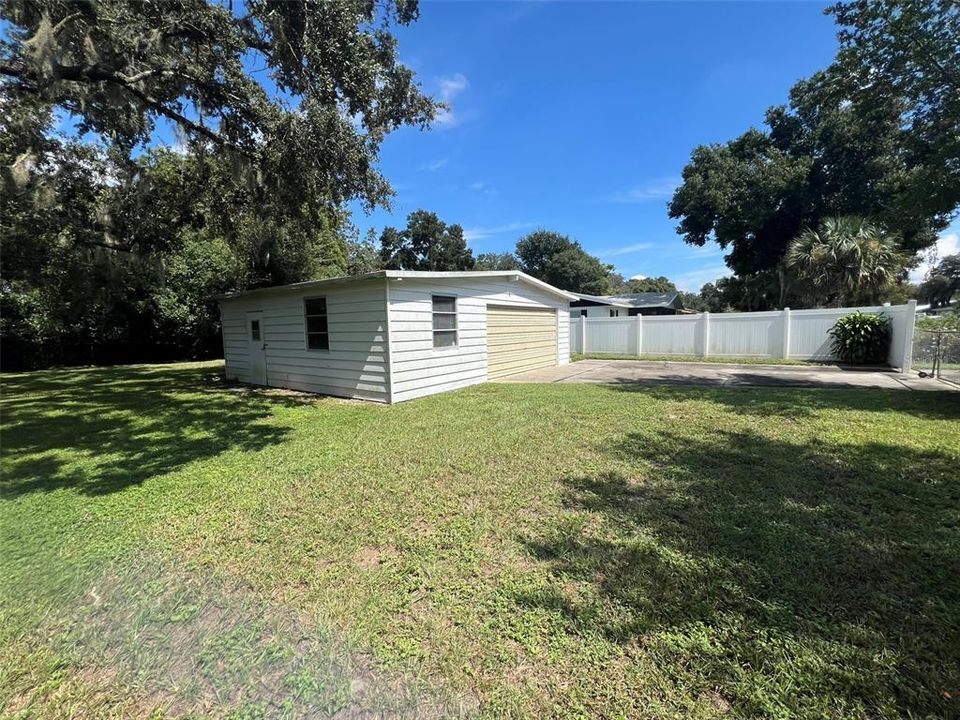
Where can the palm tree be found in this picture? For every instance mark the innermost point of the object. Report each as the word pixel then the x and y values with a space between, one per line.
pixel 847 258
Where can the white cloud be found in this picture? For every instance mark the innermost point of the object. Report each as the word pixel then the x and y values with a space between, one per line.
pixel 448 87
pixel 445 118
pixel 693 280
pixel 452 85
pixel 948 244
pixel 708 250
pixel 626 249
pixel 481 188
pixel 638 277
pixel 435 165
pixel 656 189
pixel 481 233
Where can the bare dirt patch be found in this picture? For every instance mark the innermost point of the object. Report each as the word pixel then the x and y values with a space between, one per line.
pixel 369 557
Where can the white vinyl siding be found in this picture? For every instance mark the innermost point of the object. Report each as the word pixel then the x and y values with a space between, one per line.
pixel 355 365
pixel 381 333
pixel 418 368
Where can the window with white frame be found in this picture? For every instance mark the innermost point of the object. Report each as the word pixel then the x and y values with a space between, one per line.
pixel 444 321
pixel 315 314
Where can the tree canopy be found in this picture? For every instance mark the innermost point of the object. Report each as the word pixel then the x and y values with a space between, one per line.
pixel 909 51
pixel 426 243
pixel 661 284
pixel 877 134
pixel 497 261
pixel 311 135
pixel 845 260
pixel 943 282
pixel 124 271
pixel 562 262
pixel 112 241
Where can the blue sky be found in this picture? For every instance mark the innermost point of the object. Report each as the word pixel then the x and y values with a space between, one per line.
pixel 579 117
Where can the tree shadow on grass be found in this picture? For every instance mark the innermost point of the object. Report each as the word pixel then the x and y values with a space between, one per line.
pixel 98 431
pixel 808 578
pixel 802 401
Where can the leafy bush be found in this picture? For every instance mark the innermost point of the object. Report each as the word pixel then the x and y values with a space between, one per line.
pixel 947 321
pixel 861 339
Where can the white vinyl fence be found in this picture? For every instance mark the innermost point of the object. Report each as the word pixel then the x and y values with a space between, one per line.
pixel 800 334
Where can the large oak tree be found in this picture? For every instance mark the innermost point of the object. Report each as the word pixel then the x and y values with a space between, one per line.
pixel 299 94
pixel 113 246
pixel 877 134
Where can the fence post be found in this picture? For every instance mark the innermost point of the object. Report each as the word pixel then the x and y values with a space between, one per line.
pixel 785 350
pixel 638 319
pixel 705 333
pixel 907 363
pixel 583 334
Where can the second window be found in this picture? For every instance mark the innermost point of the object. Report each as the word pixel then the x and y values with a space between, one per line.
pixel 444 321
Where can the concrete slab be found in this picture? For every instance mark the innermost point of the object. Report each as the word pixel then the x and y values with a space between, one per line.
pixel 722 375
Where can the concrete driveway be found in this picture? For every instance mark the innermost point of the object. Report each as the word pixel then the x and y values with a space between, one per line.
pixel 722 375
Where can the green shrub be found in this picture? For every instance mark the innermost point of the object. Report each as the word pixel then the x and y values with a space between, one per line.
pixel 948 321
pixel 861 339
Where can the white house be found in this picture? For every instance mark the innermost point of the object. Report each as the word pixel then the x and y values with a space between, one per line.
pixel 629 305
pixel 394 335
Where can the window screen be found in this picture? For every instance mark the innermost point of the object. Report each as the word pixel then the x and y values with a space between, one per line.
pixel 315 312
pixel 444 321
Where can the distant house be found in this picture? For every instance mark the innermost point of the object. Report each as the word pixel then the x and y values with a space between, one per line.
pixel 651 303
pixel 394 335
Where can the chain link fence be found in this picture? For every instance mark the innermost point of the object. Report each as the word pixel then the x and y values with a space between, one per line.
pixel 936 353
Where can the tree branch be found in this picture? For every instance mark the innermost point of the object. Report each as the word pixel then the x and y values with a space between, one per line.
pixel 60 25
pixel 101 73
pixel 11 70
pixel 179 118
pixel 176 70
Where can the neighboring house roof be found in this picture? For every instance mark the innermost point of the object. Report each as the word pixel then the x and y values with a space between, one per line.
pixel 634 300
pixel 514 275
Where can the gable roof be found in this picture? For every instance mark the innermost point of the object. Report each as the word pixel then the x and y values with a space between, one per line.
pixel 513 275
pixel 633 300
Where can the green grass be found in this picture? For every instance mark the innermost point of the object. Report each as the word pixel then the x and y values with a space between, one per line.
pixel 172 546
pixel 699 359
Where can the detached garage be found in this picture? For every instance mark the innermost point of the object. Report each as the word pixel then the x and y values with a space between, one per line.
pixel 395 335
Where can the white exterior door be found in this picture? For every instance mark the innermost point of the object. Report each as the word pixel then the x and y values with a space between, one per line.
pixel 257 348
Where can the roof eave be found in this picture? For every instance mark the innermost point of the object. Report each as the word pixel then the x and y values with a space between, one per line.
pixel 305 285
pixel 399 275
pixel 512 274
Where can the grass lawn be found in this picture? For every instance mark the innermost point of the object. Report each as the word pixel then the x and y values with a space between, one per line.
pixel 172 546
pixel 700 359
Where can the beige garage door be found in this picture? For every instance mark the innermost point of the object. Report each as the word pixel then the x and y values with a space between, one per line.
pixel 520 339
